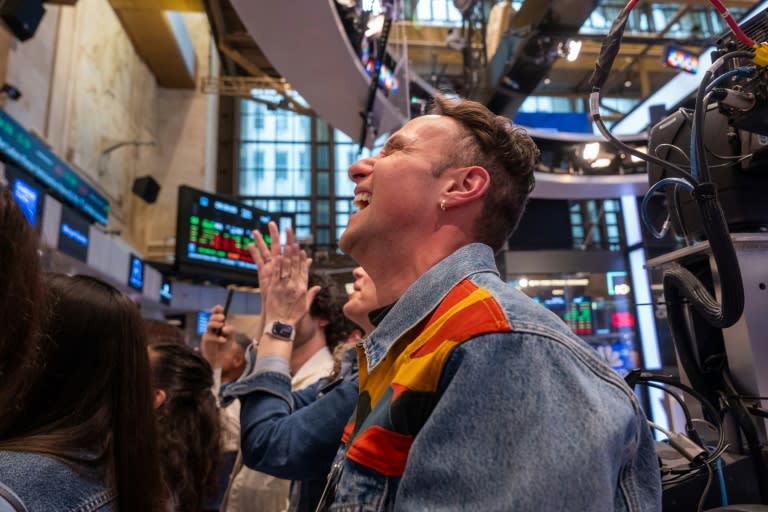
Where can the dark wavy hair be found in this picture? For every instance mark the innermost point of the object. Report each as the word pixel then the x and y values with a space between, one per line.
pixel 509 155
pixel 328 305
pixel 92 403
pixel 188 424
pixel 21 298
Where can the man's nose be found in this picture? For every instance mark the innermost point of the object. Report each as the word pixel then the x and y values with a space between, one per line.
pixel 360 169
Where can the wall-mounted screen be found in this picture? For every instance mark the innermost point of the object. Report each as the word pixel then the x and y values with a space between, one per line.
pixel 681 59
pixel 21 147
pixel 202 322
pixel 166 291
pixel 136 273
pixel 28 195
pixel 73 234
pixel 213 233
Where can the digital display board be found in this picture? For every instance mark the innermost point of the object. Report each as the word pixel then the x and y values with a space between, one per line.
pixel 166 291
pixel 136 273
pixel 213 233
pixel 73 234
pixel 26 151
pixel 27 194
pixel 579 316
pixel 681 59
pixel 202 321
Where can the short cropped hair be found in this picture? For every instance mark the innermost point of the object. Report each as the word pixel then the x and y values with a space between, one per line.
pixel 509 155
pixel 327 306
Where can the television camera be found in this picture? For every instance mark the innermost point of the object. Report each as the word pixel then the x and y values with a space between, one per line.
pixel 711 161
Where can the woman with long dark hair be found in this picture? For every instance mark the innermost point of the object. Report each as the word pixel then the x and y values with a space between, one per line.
pixel 84 435
pixel 187 423
pixel 21 296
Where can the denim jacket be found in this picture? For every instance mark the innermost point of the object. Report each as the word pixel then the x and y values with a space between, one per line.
pixel 292 434
pixel 523 415
pixel 45 484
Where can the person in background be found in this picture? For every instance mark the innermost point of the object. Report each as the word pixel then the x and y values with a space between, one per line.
pixel 160 331
pixel 295 434
pixel 21 299
pixel 317 333
pixel 187 424
pixel 231 362
pixel 472 396
pixel 83 437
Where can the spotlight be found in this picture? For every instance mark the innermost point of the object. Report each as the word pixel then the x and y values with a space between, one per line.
pixel 573 48
pixel 590 151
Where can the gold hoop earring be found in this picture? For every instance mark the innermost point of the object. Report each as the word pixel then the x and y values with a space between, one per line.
pixel 442 205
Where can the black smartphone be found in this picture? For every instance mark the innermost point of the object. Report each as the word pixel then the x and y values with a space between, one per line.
pixel 230 292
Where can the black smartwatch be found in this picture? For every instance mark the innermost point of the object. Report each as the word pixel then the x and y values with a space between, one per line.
pixel 281 331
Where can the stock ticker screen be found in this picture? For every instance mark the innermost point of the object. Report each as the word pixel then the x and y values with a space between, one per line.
pixel 214 231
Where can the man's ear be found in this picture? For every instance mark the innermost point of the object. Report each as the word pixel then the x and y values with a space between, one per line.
pixel 322 322
pixel 467 184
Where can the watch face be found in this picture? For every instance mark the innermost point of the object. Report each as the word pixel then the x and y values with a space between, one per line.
pixel 282 330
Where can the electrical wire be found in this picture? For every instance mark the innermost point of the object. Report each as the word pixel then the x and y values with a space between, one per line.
pixel 735 28
pixel 706 489
pixel 721 482
pixel 699 157
pixel 740 71
pixel 646 200
pixel 689 428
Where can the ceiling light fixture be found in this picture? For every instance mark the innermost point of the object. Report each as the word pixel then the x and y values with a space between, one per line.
pixel 573 48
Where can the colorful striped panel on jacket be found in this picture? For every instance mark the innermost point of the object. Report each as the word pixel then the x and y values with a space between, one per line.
pixel 399 395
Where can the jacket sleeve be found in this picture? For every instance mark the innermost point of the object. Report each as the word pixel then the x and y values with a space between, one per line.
pixel 519 426
pixel 293 435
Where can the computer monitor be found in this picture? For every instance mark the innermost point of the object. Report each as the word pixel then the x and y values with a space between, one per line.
pixel 212 236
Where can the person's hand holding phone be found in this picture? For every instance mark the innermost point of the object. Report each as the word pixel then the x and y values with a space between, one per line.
pixel 217 334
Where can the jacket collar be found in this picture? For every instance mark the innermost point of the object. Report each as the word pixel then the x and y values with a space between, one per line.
pixel 424 295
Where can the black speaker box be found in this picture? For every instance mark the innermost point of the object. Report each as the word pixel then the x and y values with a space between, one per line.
pixel 146 188
pixel 22 16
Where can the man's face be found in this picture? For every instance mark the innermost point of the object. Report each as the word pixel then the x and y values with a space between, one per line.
pixel 396 192
pixel 232 358
pixel 306 328
pixel 362 300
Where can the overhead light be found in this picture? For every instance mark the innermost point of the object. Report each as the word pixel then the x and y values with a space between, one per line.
pixel 573 48
pixel 601 163
pixel 523 282
pixel 547 81
pixel 591 151
pixel 636 160
pixel 627 83
pixel 558 291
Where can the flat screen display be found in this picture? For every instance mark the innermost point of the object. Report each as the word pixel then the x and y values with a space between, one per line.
pixel 73 234
pixel 166 291
pixel 136 273
pixel 27 193
pixel 25 150
pixel 681 59
pixel 202 322
pixel 213 233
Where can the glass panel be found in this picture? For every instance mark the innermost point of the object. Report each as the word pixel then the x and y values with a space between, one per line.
pixel 323 184
pixel 322 156
pixel 303 206
pixel 323 212
pixel 323 236
pixel 342 219
pixel 303 219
